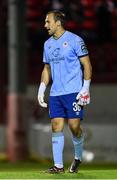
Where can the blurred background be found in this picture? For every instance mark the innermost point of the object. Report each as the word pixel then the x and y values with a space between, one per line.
pixel 24 126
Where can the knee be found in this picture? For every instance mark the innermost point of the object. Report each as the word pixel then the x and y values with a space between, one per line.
pixel 57 127
pixel 75 129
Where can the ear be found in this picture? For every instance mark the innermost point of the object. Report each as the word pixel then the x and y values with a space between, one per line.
pixel 59 23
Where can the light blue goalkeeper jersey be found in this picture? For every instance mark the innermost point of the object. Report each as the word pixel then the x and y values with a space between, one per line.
pixel 63 55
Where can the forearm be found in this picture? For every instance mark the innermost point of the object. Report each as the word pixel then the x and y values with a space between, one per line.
pixel 87 71
pixel 45 77
pixel 87 75
pixel 83 96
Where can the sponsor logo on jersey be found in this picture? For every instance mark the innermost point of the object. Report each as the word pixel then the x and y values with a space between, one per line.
pixel 56 52
pixel 56 56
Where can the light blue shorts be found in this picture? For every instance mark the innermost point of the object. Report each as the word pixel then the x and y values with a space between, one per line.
pixel 65 106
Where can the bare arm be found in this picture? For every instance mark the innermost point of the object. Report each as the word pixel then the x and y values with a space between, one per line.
pixel 85 61
pixel 83 96
pixel 46 74
pixel 45 78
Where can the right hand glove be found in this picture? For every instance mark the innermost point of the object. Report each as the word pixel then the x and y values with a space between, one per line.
pixel 83 96
pixel 41 92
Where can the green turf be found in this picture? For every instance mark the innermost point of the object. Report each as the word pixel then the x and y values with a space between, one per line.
pixel 36 170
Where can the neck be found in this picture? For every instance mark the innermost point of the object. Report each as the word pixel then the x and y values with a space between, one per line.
pixel 59 33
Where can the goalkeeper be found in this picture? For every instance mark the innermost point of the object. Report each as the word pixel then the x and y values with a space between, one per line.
pixel 67 63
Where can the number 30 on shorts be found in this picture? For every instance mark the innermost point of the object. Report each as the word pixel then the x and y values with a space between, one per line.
pixel 76 107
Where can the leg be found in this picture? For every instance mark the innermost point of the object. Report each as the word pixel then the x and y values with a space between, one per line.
pixel 57 124
pixel 74 125
pixel 57 144
pixel 77 139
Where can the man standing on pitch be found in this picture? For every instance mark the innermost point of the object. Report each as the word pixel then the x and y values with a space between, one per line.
pixel 68 65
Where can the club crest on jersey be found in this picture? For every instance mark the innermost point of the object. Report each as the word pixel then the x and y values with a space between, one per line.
pixel 65 44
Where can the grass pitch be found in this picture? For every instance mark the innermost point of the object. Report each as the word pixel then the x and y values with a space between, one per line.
pixel 36 170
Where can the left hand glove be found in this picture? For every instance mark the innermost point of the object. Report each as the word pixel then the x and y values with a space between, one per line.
pixel 41 101
pixel 41 93
pixel 83 96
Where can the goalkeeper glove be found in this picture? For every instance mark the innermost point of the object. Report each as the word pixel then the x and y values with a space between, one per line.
pixel 41 92
pixel 83 96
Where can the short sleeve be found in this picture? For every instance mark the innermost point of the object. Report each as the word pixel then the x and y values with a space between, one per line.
pixel 80 47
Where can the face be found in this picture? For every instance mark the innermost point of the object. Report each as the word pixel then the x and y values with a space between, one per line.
pixel 50 24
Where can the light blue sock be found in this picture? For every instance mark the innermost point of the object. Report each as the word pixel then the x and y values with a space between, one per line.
pixel 57 147
pixel 78 146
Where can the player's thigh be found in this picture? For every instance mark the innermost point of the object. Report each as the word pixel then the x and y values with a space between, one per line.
pixel 56 109
pixel 57 124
